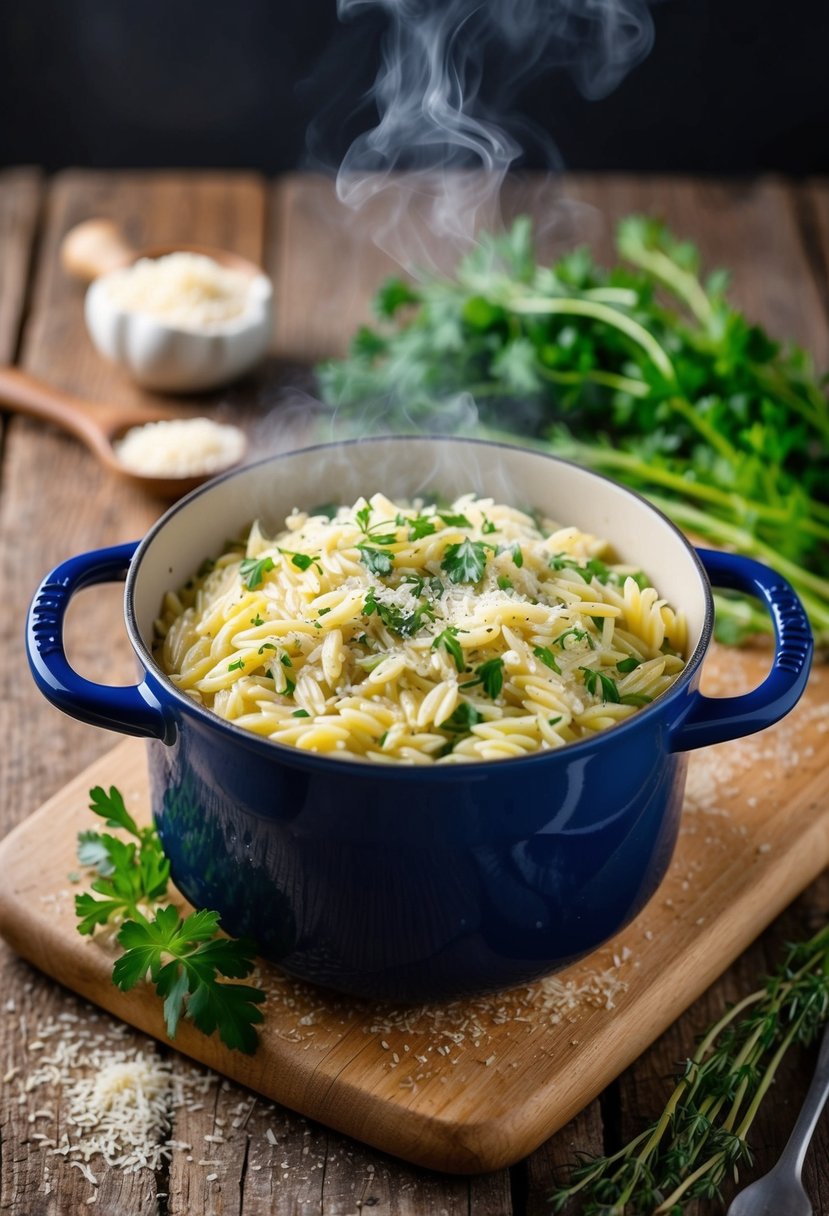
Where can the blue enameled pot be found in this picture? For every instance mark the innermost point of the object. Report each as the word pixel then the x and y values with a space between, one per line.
pixel 404 882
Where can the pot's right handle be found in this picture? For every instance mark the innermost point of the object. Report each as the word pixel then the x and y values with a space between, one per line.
pixel 134 709
pixel 716 719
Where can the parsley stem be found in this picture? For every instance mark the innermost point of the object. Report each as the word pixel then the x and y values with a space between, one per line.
pixel 682 283
pixel 599 312
pixel 742 539
pixel 622 384
pixel 737 504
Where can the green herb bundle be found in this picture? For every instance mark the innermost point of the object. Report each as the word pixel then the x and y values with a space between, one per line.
pixel 644 371
pixel 701 1136
pixel 184 957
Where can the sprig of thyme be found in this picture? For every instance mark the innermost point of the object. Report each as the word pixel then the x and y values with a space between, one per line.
pixel 702 1134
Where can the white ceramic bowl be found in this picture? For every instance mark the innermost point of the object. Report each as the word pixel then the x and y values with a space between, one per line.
pixel 162 356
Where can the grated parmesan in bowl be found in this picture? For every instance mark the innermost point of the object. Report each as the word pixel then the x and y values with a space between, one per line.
pixel 188 290
pixel 182 321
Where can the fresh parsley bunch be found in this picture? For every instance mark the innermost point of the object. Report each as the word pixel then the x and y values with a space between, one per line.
pixel 184 957
pixel 644 371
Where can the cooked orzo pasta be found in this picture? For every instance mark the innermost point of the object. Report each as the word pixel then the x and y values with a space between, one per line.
pixel 420 634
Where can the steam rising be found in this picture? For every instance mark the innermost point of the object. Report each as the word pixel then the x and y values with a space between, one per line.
pixel 450 74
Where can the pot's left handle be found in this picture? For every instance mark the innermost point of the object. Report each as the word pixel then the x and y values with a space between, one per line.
pixel 133 709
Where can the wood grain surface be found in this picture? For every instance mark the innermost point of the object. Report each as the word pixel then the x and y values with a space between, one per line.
pixel 54 501
pixel 476 1085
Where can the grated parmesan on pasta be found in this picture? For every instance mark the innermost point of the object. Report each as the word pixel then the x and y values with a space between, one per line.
pixel 418 634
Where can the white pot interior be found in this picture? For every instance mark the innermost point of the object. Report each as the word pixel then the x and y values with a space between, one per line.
pixel 404 468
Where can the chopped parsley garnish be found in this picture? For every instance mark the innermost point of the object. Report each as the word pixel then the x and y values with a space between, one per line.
pixel 377 560
pixel 462 719
pixel 635 698
pixel 504 583
pixel 488 527
pixel 285 659
pixel 629 664
pixel 490 675
pixel 547 658
pixel 601 685
pixel 323 611
pixel 239 665
pixel 266 646
pixel 454 521
pixel 301 560
pixel 254 569
pixel 362 517
pixel 394 618
pixel 289 689
pixel 560 561
pixel 466 561
pixel 381 741
pixel 256 620
pixel 514 548
pixel 554 721
pixel 300 713
pixel 578 635
pixel 449 640
pixel 421 526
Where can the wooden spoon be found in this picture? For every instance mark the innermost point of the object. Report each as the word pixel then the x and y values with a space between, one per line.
pixel 98 424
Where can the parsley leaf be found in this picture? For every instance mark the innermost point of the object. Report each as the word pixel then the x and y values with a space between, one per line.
pixel 577 634
pixel 301 560
pixel 601 685
pixel 454 521
pixel 394 618
pixel 466 561
pixel 462 719
pixel 377 560
pixel 239 665
pixel 629 664
pixel 254 569
pixel 514 548
pixel 635 698
pixel 133 877
pixel 560 561
pixel 449 640
pixel 547 658
pixel 421 526
pixel 490 675
pixel 184 959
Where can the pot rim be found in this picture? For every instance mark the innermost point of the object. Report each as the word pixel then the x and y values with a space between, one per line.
pixel 480 769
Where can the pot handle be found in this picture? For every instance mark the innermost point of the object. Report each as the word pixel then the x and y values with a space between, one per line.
pixel 133 709
pixel 716 719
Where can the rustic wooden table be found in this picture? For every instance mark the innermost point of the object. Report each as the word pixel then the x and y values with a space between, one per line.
pixel 55 501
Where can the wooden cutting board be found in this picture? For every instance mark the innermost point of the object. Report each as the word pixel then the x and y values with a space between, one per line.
pixel 478 1084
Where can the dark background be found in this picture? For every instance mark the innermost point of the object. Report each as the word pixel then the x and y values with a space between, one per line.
pixel 731 86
